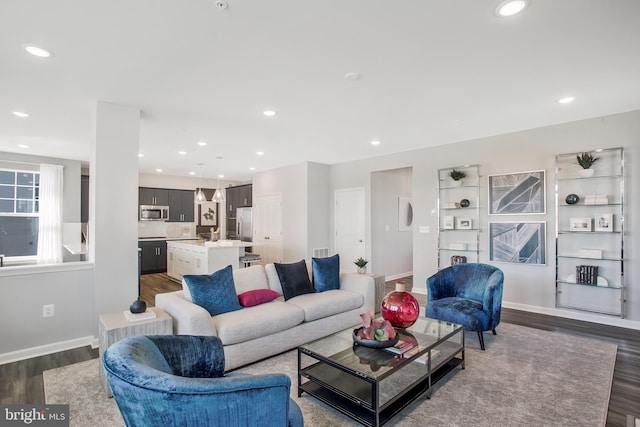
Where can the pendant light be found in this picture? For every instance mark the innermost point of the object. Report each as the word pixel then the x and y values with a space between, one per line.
pixel 200 197
pixel 218 196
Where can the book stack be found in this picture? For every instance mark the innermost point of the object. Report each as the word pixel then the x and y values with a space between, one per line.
pixel 401 347
pixel 458 259
pixel 587 274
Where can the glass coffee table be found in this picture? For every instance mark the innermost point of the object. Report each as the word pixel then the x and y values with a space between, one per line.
pixel 372 385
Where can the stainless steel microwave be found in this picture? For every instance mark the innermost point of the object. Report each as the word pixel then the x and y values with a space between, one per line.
pixel 154 213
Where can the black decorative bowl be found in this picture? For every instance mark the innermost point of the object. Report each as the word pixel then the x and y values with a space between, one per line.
pixel 464 203
pixel 572 199
pixel 374 343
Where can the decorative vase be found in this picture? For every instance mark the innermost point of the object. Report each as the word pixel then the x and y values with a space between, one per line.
pixel 572 199
pixel 464 203
pixel 585 173
pixel 138 306
pixel 362 270
pixel 400 307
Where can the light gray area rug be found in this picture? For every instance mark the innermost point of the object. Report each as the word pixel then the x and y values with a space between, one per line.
pixel 525 377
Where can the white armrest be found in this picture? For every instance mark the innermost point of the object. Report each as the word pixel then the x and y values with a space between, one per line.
pixel 188 318
pixel 362 284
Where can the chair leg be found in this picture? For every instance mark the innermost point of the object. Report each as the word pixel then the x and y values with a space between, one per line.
pixel 481 338
pixel 494 332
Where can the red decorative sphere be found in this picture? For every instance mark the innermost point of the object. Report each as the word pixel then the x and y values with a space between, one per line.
pixel 400 308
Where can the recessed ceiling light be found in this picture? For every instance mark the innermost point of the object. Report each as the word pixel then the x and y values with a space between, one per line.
pixel 269 113
pixel 140 155
pixel 37 51
pixel 566 100
pixel 20 114
pixel 259 153
pixel 158 170
pixel 202 143
pixel 23 146
pixel 511 7
pixel 351 76
pixel 376 142
pixel 221 176
pixel 252 168
pixel 182 153
pixel 192 173
pixel 598 150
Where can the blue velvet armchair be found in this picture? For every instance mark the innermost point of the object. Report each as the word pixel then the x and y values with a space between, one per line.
pixel 467 294
pixel 179 380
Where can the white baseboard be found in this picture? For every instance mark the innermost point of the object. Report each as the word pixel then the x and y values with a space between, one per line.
pixel 42 350
pixel 575 315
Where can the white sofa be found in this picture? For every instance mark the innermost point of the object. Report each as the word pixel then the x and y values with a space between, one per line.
pixel 258 332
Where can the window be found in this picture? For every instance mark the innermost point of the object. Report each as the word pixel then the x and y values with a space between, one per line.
pixel 19 195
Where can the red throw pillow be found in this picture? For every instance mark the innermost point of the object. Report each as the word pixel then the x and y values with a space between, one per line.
pixel 256 297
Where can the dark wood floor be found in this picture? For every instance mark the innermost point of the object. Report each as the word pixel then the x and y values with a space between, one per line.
pixel 21 382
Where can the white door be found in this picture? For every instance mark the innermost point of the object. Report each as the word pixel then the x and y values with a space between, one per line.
pixel 267 229
pixel 350 226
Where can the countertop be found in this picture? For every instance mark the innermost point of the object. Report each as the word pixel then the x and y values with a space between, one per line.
pixel 218 244
pixel 148 239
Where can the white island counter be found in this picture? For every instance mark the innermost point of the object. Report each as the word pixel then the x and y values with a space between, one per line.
pixel 200 257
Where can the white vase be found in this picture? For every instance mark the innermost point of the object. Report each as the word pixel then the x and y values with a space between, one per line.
pixel 457 183
pixel 585 173
pixel 362 270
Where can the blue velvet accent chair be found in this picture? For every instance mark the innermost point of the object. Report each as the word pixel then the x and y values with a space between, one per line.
pixel 467 294
pixel 179 380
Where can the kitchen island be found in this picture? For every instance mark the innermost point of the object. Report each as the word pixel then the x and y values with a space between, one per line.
pixel 202 257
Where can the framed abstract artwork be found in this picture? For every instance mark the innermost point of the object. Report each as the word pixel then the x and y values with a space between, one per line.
pixel 520 193
pixel 518 242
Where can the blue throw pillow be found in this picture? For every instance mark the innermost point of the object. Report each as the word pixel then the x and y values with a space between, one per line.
pixel 214 292
pixel 294 279
pixel 326 273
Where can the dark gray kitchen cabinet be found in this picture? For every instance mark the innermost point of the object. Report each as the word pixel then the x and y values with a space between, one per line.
pixel 181 207
pixel 153 196
pixel 154 256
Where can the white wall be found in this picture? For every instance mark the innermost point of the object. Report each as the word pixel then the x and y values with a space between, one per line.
pixel 527 287
pixel 317 208
pixel 386 187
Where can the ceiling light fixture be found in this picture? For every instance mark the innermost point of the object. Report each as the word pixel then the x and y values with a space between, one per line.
pixel 352 76
pixel 182 153
pixel 511 7
pixel 259 153
pixel 37 51
pixel 376 142
pixel 200 198
pixel 23 146
pixel 269 113
pixel 20 114
pixel 566 100
pixel 158 170
pixel 140 155
pixel 218 196
pixel 202 143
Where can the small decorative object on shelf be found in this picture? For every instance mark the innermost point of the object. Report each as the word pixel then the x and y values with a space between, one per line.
pixel 458 259
pixel 361 263
pixel 464 203
pixel 400 307
pixel 138 306
pixel 586 160
pixel 457 176
pixel 572 199
pixel 375 333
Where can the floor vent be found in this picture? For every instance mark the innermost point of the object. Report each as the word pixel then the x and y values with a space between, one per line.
pixel 321 252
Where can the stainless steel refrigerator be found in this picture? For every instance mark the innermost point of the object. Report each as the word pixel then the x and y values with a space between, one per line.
pixel 244 225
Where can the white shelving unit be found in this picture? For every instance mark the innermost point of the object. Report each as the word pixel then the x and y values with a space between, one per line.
pixel 590 233
pixel 458 225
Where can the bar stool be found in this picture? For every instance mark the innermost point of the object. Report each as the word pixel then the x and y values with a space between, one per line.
pixel 250 258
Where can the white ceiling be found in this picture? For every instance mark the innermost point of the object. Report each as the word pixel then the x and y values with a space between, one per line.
pixel 432 72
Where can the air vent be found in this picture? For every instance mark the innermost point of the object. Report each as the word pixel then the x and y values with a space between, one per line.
pixel 321 252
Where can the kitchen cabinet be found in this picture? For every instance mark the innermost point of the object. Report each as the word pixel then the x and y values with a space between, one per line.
pixel 181 206
pixel 237 197
pixel 590 234
pixel 154 256
pixel 458 217
pixel 153 196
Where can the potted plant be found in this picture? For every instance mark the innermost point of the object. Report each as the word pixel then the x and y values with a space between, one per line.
pixel 457 176
pixel 361 263
pixel 586 160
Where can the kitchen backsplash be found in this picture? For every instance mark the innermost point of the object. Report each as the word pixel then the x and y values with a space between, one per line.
pixel 166 229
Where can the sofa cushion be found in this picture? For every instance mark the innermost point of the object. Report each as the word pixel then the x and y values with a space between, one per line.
pixel 250 278
pixel 324 304
pixel 215 293
pixel 257 297
pixel 326 273
pixel 256 322
pixel 294 278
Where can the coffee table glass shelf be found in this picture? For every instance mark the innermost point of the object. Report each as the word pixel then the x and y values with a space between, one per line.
pixel 372 385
